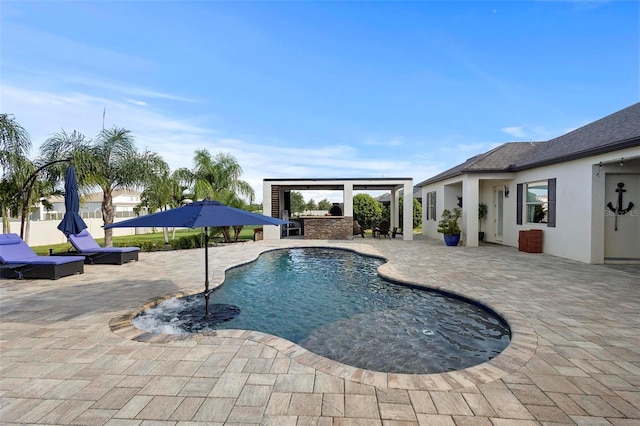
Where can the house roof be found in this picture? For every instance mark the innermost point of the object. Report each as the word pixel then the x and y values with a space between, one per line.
pixel 500 159
pixel 614 132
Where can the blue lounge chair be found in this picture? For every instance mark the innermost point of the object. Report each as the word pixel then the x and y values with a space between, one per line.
pixel 85 245
pixel 20 261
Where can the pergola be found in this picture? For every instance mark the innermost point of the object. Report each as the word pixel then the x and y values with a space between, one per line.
pixel 276 190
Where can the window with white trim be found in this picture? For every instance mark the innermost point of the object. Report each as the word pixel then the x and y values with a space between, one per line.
pixel 537 203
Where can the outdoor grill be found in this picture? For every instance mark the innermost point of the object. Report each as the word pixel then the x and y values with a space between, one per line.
pixel 335 210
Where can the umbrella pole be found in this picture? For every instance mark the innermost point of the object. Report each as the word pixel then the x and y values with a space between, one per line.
pixel 206 271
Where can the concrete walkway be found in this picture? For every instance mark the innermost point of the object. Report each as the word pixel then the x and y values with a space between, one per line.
pixel 70 356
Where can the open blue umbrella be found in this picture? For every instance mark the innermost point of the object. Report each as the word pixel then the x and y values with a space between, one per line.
pixel 199 214
pixel 71 223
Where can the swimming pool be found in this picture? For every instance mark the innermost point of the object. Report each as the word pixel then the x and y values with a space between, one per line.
pixel 333 303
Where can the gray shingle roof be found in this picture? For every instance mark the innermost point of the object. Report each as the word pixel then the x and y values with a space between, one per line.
pixel 616 131
pixel 611 133
pixel 505 156
pixel 500 159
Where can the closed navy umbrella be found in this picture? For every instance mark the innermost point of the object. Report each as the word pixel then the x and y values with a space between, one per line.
pixel 71 223
pixel 199 214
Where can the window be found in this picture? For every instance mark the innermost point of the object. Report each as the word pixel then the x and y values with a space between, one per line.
pixel 537 204
pixel 538 200
pixel 431 205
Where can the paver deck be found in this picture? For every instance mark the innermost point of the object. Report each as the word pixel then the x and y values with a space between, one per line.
pixel 69 355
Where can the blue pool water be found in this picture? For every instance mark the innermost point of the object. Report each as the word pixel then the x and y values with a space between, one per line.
pixel 333 303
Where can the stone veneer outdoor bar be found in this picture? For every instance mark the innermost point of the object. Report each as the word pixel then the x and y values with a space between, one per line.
pixel 328 227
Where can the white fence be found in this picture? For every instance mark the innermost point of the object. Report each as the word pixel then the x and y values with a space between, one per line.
pixel 50 215
pixel 45 232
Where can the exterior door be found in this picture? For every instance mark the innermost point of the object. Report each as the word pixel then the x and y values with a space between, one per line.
pixel 498 220
pixel 622 229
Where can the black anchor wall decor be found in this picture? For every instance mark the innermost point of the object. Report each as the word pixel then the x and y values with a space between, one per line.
pixel 619 210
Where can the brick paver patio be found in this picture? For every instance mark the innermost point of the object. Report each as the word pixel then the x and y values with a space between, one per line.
pixel 70 356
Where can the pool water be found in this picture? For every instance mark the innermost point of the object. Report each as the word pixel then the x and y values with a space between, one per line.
pixel 333 303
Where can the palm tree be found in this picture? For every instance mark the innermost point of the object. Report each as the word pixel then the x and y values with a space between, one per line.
pixel 111 162
pixel 217 178
pixel 15 145
pixel 11 187
pixel 163 192
pixel 40 186
pixel 14 140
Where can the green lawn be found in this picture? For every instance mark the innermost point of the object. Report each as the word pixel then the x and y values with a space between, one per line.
pixel 155 239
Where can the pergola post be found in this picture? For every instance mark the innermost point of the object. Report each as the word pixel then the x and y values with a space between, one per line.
pixel 407 212
pixel 348 199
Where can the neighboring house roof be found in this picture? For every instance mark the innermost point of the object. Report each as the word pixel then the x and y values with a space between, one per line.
pixel 386 197
pixel 614 132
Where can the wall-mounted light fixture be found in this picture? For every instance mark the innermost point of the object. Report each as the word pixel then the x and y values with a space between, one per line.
pixel 506 191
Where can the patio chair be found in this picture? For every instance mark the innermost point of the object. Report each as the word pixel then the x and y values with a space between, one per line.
pixel 384 229
pixel 375 229
pixel 96 255
pixel 357 229
pixel 20 261
pixel 293 225
pixel 396 231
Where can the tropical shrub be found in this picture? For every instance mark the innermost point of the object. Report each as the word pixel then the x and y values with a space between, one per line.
pixel 366 209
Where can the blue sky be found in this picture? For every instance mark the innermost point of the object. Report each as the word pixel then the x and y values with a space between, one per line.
pixel 302 89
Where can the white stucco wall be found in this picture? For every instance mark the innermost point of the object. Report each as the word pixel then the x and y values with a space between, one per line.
pixel 473 190
pixel 447 192
pixel 631 168
pixel 580 204
pixel 45 232
pixel 489 185
pixel 571 238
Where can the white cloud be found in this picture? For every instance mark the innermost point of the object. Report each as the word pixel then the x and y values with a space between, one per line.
pixel 515 131
pixel 471 148
pixel 135 102
pixel 43 113
pixel 390 143
pixel 98 83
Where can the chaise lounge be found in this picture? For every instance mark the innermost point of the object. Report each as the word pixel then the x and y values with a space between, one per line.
pixel 85 245
pixel 20 261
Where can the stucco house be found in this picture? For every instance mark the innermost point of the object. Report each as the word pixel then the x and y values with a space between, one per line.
pixel 124 201
pixel 581 189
